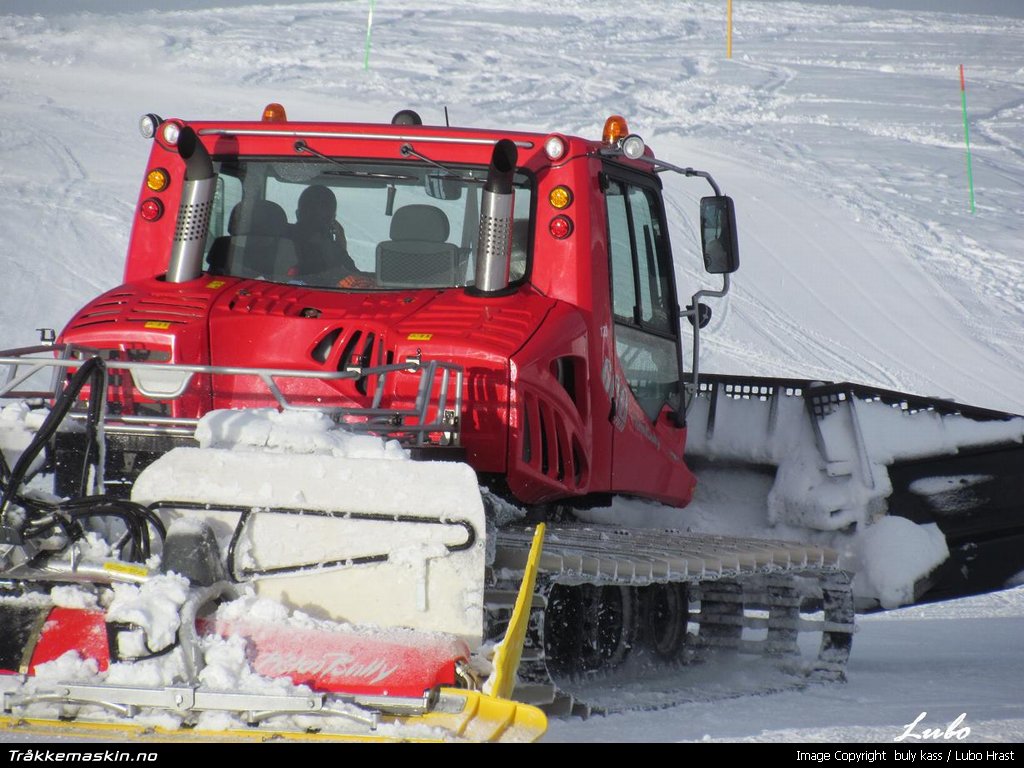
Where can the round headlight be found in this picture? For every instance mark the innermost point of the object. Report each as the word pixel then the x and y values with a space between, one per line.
pixel 171 132
pixel 554 147
pixel 633 147
pixel 148 124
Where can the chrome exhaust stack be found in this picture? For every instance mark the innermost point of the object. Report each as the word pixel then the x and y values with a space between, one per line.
pixel 194 215
pixel 496 207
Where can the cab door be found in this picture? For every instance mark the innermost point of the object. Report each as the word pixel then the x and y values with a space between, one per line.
pixel 649 437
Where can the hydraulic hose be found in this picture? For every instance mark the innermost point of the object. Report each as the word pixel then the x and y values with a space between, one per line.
pixel 44 516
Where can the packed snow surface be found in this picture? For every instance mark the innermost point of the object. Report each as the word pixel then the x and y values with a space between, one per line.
pixel 837 129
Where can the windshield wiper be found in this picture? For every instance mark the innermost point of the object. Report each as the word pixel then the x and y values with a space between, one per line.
pixel 302 146
pixel 407 150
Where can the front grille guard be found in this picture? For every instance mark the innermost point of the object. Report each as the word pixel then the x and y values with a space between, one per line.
pixel 435 412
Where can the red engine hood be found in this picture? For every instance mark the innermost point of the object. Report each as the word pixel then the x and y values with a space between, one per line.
pixel 227 321
pixel 248 323
pixel 285 326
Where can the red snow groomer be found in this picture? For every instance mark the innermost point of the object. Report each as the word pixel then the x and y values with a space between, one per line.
pixel 307 306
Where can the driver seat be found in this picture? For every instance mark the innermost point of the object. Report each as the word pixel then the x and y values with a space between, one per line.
pixel 418 254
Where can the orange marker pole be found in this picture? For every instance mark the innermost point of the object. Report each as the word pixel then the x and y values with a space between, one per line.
pixel 728 29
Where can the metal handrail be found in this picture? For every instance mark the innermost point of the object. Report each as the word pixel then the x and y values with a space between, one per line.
pixel 18 366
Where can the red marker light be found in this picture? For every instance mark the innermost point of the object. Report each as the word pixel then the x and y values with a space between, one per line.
pixel 151 209
pixel 560 227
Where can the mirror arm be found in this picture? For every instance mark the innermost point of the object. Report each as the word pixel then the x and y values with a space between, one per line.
pixel 661 165
pixel 692 312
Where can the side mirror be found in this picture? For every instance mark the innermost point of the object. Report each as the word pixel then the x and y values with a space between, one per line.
pixel 718 235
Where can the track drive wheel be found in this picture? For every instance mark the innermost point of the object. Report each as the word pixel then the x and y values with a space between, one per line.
pixel 588 628
pixel 664 614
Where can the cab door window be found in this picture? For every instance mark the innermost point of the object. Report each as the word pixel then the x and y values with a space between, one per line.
pixel 646 329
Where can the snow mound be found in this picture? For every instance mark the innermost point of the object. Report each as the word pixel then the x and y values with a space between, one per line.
pixel 805 495
pixel 67 666
pixel 72 596
pixel 893 554
pixel 296 432
pixel 154 607
pixel 18 425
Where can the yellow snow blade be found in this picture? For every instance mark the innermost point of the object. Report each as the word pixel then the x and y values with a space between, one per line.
pixel 467 716
pixel 487 718
pixel 510 650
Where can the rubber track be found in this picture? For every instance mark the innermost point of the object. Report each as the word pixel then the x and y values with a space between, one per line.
pixel 745 588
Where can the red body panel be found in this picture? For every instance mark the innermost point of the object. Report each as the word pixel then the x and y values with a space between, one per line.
pixel 336 660
pixel 546 403
pixel 394 663
pixel 72 629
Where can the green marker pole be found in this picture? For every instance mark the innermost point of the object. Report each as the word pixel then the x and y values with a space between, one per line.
pixel 369 28
pixel 967 138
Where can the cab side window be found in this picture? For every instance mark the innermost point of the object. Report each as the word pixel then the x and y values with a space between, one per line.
pixel 646 324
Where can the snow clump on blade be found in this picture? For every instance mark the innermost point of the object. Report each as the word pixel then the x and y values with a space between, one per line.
pixel 297 432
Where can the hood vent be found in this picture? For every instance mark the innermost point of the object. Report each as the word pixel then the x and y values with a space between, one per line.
pixel 127 306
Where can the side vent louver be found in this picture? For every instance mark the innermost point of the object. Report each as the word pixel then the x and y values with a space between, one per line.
pixel 527 435
pixel 359 352
pixel 322 351
pixel 551 443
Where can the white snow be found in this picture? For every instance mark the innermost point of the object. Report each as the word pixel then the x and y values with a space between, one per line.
pixel 833 470
pixel 68 666
pixel 942 659
pixel 18 424
pixel 894 553
pixel 300 432
pixel 888 556
pixel 836 127
pixel 269 611
pixel 70 596
pixel 153 606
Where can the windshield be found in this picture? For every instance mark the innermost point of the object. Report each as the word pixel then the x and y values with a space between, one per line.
pixel 354 224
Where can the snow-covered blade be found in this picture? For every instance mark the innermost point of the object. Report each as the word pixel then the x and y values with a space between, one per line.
pixel 250 669
pixel 341 526
pixel 298 514
pixel 844 456
pixel 318 516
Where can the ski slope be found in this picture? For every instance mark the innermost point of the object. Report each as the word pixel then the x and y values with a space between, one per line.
pixel 836 128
